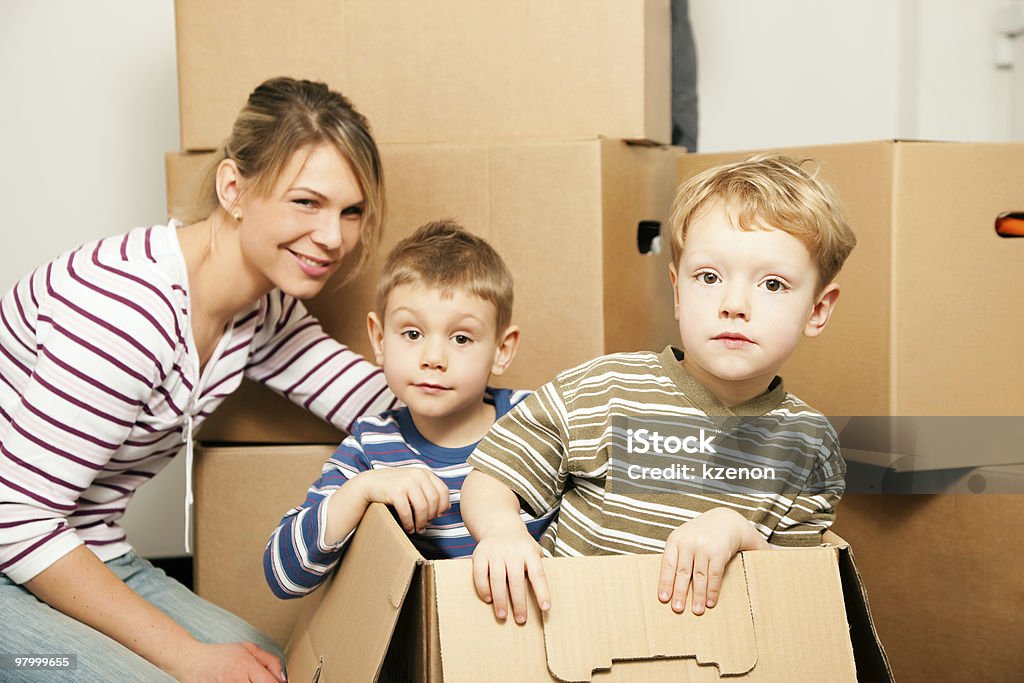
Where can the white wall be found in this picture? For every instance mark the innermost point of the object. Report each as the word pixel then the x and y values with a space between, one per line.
pixel 90 106
pixel 961 95
pixel 793 72
pixel 790 72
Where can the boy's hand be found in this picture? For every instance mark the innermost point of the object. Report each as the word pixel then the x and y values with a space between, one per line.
pixel 696 554
pixel 503 562
pixel 417 494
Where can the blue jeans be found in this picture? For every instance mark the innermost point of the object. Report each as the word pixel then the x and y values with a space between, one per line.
pixel 31 627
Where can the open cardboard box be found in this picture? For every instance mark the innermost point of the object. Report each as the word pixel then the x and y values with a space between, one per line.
pixel 388 614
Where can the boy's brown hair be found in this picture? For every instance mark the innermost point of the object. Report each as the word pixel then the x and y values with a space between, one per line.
pixel 445 255
pixel 770 190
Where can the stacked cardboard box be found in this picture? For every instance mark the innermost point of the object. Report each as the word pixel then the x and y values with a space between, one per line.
pixel 476 121
pixel 511 118
pixel 920 338
pixel 541 126
pixel 439 71
pixel 568 217
pixel 927 296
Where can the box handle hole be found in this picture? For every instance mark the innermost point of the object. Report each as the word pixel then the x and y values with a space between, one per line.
pixel 1010 224
pixel 648 237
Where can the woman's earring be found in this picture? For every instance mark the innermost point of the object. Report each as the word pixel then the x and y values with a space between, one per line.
pixel 237 215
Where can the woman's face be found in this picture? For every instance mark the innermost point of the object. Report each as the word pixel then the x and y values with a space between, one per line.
pixel 296 237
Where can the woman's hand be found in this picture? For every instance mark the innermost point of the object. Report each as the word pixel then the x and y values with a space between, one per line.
pixel 229 663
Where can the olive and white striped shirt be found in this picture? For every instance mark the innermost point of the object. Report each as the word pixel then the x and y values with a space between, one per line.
pixel 629 446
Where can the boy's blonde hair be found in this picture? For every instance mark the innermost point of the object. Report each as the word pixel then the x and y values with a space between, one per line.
pixel 444 255
pixel 770 190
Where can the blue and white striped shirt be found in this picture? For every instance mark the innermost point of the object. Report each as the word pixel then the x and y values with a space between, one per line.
pixel 297 559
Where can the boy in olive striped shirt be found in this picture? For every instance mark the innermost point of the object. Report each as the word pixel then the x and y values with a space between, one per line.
pixel 741 465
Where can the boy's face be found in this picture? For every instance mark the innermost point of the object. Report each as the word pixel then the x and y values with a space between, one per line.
pixel 438 351
pixel 743 299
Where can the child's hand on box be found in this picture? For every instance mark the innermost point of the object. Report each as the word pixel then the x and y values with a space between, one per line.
pixel 696 554
pixel 417 494
pixel 503 562
pixel 506 556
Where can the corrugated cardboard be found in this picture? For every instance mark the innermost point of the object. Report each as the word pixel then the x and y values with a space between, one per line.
pixel 565 216
pixel 439 71
pixel 782 615
pixel 241 494
pixel 946 592
pixel 927 308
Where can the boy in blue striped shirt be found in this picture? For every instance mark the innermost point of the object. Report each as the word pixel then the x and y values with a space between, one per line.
pixel 442 327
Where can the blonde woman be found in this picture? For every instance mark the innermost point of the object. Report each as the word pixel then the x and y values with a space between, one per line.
pixel 113 354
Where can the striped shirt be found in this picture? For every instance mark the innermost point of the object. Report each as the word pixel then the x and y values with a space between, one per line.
pixel 297 559
pixel 585 444
pixel 99 378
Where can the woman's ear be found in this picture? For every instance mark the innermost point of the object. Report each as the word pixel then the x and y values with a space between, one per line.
pixel 229 187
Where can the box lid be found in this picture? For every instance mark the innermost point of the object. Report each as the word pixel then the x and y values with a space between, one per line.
pixel 601 613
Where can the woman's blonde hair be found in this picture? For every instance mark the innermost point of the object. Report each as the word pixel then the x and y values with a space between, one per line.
pixel 770 190
pixel 284 115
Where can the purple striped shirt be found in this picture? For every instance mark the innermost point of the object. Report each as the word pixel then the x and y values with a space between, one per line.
pixel 99 372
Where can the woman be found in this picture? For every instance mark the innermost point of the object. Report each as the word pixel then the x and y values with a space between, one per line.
pixel 113 354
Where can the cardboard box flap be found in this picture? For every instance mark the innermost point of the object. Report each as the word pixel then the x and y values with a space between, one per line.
pixel 871 660
pixel 576 644
pixel 345 635
pixel 465 621
pixel 832 538
pixel 796 597
pixel 604 590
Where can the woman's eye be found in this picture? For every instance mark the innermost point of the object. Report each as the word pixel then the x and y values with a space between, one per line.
pixel 352 211
pixel 305 202
pixel 774 285
pixel 708 278
pixel 412 335
pixel 461 339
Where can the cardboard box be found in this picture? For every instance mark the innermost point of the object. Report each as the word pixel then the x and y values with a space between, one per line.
pixel 941 570
pixel 568 217
pixel 784 615
pixel 439 71
pixel 927 304
pixel 241 494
